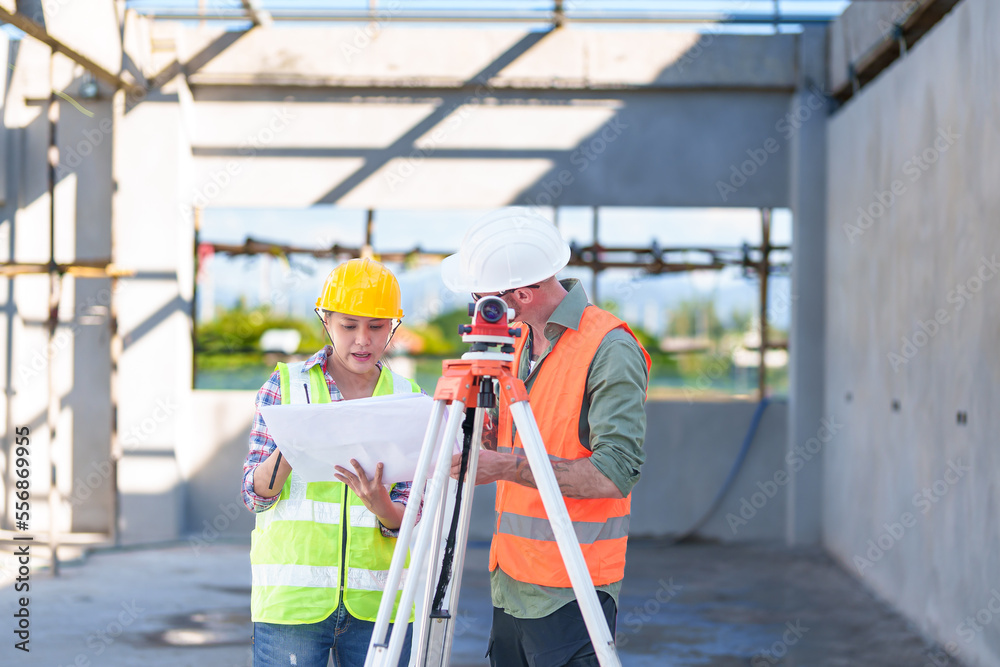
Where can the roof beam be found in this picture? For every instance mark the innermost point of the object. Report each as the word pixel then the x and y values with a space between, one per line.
pixel 258 14
pixel 37 31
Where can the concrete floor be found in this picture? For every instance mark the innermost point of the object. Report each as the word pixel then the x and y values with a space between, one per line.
pixel 690 605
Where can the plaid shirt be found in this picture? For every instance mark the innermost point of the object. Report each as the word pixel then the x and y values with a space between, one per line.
pixel 261 444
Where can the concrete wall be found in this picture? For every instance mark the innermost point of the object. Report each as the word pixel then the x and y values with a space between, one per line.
pixel 855 34
pixel 690 448
pixel 910 487
pixel 211 465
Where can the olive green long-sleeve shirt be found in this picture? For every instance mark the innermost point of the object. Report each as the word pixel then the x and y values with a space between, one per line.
pixel 612 423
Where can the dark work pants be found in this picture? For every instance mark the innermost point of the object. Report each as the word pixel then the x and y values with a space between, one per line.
pixel 557 640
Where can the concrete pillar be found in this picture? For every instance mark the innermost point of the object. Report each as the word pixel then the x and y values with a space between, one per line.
pixel 83 215
pixel 72 369
pixel 807 122
pixel 39 371
pixel 153 234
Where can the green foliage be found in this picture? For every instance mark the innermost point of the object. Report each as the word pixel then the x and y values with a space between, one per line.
pixel 237 331
pixel 711 367
pixel 662 362
pixel 645 339
pixel 695 317
pixel 742 319
pixel 440 335
pixel 211 362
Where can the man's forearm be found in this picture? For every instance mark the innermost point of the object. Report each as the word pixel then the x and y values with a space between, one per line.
pixel 577 479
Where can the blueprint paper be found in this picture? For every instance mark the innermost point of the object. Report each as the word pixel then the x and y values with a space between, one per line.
pixel 319 436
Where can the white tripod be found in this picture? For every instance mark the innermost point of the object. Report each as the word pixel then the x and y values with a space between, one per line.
pixel 465 384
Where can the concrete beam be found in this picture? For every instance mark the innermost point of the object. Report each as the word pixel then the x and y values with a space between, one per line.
pixel 448 149
pixel 100 64
pixel 258 15
pixel 565 59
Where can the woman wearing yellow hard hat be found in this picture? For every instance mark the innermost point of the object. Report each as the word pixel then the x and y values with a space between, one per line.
pixel 321 550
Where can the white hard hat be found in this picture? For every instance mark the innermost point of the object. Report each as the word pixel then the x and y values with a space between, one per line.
pixel 508 249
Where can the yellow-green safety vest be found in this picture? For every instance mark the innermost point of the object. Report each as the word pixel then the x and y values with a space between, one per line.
pixel 296 555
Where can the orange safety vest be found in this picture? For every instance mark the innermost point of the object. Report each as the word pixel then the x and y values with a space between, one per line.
pixel 523 543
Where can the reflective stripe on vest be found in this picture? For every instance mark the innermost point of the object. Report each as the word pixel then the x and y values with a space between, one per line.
pixel 523 543
pixel 587 532
pixel 309 576
pixel 300 510
pixel 296 546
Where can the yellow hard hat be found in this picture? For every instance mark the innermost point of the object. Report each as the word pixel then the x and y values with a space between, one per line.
pixel 361 287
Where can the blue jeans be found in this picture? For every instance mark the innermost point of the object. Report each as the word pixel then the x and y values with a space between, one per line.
pixel 310 644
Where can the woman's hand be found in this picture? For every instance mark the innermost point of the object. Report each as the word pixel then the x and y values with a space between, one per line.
pixel 372 493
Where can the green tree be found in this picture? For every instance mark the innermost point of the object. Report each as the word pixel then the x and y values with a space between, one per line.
pixel 237 330
pixel 662 362
pixel 440 335
pixel 741 319
pixel 695 317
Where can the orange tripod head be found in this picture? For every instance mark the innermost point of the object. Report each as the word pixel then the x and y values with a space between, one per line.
pixel 470 379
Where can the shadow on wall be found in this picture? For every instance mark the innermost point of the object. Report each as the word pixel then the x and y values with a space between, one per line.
pixel 682 146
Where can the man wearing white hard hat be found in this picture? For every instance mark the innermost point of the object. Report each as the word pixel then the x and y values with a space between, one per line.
pixel 586 376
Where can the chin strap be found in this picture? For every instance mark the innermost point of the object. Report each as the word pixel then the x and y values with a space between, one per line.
pixel 327 331
pixel 399 322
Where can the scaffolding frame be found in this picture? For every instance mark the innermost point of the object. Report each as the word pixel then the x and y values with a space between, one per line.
pixel 651 260
pixel 56 271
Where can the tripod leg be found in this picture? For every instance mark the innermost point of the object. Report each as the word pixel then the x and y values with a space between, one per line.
pixel 405 532
pixel 441 631
pixel 562 527
pixel 390 657
pixel 430 582
pixel 462 538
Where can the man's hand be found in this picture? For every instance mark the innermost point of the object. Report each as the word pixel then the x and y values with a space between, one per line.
pixel 372 493
pixel 491 468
